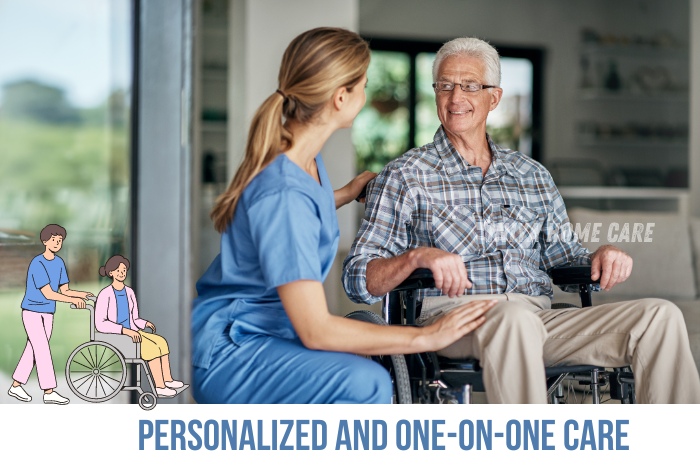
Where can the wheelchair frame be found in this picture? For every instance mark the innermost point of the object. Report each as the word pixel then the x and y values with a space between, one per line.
pixel 428 378
pixel 98 370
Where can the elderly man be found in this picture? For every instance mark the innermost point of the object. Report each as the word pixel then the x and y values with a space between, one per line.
pixel 464 200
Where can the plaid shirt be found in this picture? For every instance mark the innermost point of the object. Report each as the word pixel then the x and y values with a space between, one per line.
pixel 510 227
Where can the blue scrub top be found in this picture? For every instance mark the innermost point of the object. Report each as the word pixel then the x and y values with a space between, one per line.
pixel 285 229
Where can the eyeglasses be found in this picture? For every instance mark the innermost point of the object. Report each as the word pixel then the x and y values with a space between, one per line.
pixel 466 87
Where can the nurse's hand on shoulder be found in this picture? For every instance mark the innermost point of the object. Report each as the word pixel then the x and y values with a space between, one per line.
pixel 355 190
pixel 457 323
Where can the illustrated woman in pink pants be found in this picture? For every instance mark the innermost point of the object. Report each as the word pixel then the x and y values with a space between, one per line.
pixel 47 283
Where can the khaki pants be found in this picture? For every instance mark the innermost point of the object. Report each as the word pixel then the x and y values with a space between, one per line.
pixel 521 332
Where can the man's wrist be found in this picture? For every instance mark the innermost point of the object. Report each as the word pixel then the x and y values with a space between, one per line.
pixel 412 258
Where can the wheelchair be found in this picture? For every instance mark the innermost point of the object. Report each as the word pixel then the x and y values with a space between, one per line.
pixel 429 378
pixel 98 370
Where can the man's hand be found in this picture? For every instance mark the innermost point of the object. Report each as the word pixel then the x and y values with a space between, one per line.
pixel 78 302
pixel 448 270
pixel 611 265
pixel 135 336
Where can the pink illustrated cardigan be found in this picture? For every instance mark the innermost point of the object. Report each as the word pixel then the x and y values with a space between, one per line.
pixel 106 312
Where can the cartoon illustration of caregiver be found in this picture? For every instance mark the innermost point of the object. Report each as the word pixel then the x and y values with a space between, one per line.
pixel 47 283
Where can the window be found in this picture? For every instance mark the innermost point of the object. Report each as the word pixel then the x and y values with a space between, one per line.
pixel 65 119
pixel 400 112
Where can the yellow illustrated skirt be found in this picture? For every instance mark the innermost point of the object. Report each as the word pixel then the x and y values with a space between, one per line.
pixel 153 346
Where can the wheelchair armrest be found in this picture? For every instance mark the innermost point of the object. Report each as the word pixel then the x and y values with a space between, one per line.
pixel 571 275
pixel 561 275
pixel 575 276
pixel 419 279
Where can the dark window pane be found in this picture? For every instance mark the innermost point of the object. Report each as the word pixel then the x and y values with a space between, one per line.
pixel 380 131
pixel 510 124
pixel 427 121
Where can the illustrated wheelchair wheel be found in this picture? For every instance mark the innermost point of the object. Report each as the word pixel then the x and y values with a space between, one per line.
pixel 395 364
pixel 147 401
pixel 96 371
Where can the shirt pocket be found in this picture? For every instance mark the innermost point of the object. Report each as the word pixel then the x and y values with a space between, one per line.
pixel 521 226
pixel 455 229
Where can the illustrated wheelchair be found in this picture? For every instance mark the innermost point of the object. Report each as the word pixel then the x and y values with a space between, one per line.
pixel 98 370
pixel 429 378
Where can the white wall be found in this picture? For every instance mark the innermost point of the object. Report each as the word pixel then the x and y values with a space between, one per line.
pixel 260 32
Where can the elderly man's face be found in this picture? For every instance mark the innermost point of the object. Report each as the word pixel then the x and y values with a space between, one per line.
pixel 460 112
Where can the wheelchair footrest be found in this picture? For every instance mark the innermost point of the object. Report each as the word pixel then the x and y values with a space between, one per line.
pixel 457 373
pixel 466 364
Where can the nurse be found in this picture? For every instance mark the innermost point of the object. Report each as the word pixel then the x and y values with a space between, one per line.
pixel 261 328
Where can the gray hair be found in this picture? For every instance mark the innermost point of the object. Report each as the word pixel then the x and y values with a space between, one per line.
pixel 472 47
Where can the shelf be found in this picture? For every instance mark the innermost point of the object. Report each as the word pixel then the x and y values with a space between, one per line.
pixel 214 114
pixel 214 67
pixel 215 31
pixel 637 51
pixel 621 192
pixel 210 126
pixel 216 21
pixel 604 193
pixel 214 74
pixel 631 143
pixel 678 97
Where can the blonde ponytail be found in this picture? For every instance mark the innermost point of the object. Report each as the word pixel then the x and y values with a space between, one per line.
pixel 267 138
pixel 315 64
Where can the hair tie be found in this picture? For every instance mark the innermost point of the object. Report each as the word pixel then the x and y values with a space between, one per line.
pixel 284 96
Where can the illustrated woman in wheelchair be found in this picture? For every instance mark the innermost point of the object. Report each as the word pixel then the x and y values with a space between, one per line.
pixel 97 371
pixel 117 312
pixel 462 199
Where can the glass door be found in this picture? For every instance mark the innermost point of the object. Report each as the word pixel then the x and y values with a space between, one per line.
pixel 65 145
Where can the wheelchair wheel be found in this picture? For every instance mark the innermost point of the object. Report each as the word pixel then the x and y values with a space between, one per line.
pixel 96 371
pixel 395 364
pixel 147 401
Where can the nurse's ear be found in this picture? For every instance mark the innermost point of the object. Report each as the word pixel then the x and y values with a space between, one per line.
pixel 339 97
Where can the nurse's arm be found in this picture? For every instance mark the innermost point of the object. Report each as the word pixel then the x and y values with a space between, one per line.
pixel 305 304
pixel 353 190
